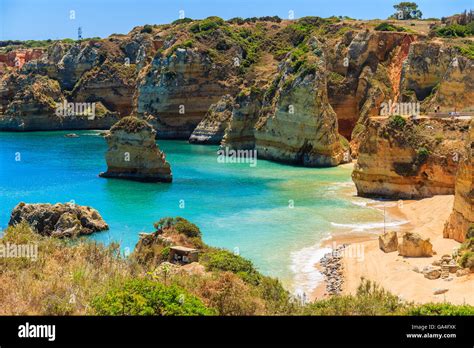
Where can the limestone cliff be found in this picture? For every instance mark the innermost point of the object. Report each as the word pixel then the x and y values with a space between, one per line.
pixel 438 76
pixel 401 158
pixel 177 92
pixel 240 132
pixel 363 64
pixel 171 75
pixel 133 153
pixel 211 129
pixel 462 217
pixel 298 125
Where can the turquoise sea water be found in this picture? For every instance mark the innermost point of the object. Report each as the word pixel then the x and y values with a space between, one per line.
pixel 235 205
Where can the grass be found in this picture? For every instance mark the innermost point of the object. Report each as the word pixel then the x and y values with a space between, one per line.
pixel 88 278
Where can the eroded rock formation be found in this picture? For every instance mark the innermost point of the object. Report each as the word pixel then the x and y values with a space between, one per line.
pixel 211 129
pixel 59 220
pixel 133 153
pixel 176 77
pixel 298 125
pixel 401 158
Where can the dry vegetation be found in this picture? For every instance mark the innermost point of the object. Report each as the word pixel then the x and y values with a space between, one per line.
pixel 83 278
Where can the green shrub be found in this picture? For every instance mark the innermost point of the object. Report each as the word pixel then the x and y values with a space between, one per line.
pixel 147 28
pixel 223 260
pixel 236 20
pixel 210 23
pixel 467 260
pixel 146 297
pixel 182 20
pixel 165 253
pixel 397 121
pixel 187 228
pixel 180 224
pixel 441 309
pixel 470 232
pixel 455 30
pixel 370 299
pixel 422 154
pixel 388 27
pixel 468 50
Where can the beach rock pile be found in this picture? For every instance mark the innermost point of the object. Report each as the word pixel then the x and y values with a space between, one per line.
pixel 332 270
pixel 413 245
pixel 133 153
pixel 59 220
pixel 443 269
pixel 388 242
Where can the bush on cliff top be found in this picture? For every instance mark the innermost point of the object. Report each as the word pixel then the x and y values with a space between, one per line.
pixel 131 124
pixel 456 30
pixel 397 121
pixel 180 224
pixel 210 23
pixel 388 27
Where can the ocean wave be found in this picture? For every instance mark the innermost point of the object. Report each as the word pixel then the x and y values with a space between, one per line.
pixel 306 276
pixel 369 226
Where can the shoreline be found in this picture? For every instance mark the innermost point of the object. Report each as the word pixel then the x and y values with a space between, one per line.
pixel 395 273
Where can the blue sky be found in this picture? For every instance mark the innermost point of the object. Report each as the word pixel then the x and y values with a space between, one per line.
pixel 50 19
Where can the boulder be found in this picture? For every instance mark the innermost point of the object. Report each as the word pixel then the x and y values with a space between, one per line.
pixel 133 153
pixel 388 242
pixel 433 273
pixel 413 245
pixel 440 291
pixel 59 220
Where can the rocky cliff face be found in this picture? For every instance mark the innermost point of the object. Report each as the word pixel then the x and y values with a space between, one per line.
pixel 438 76
pixel 240 133
pixel 401 158
pixel 177 92
pixel 298 125
pixel 365 70
pixel 462 217
pixel 59 220
pixel 176 76
pixel 211 129
pixel 133 153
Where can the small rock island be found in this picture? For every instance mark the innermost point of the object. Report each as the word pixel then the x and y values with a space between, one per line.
pixel 133 153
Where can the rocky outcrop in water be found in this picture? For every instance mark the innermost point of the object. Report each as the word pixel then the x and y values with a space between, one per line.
pixel 133 153
pixel 401 158
pixel 59 220
pixel 462 217
pixel 212 128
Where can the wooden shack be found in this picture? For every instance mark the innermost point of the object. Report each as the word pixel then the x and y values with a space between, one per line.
pixel 181 254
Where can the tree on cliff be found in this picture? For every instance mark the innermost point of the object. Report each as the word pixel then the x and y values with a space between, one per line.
pixel 406 10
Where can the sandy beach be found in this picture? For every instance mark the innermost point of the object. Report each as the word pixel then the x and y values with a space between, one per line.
pixel 395 273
